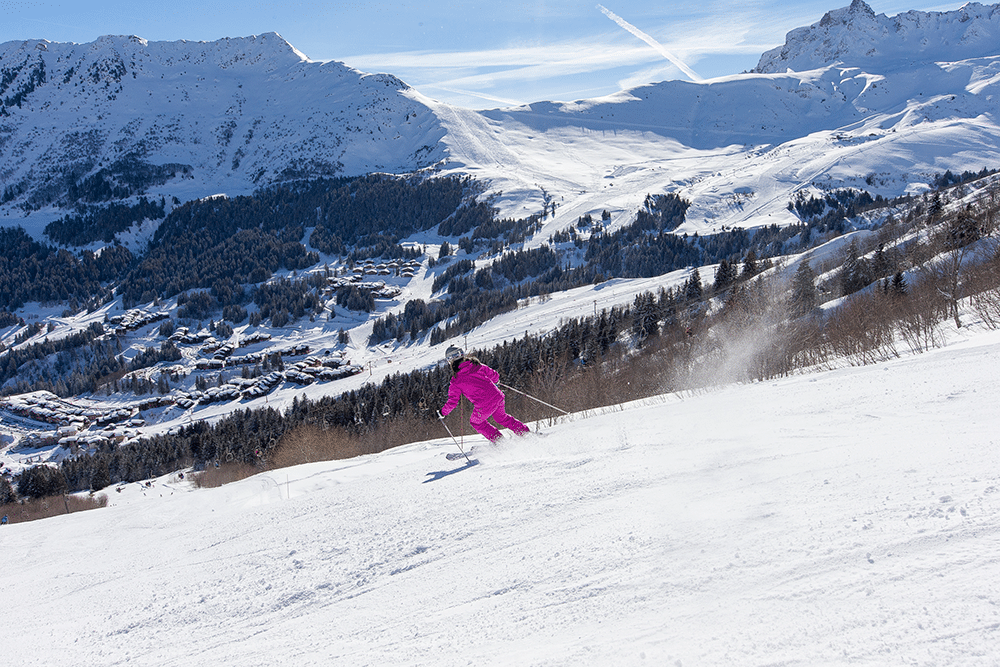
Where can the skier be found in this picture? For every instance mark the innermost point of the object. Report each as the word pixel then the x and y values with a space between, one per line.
pixel 478 382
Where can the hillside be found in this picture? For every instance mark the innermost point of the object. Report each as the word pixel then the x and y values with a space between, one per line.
pixel 769 302
pixel 852 101
pixel 137 316
pixel 856 37
pixel 855 100
pixel 91 123
pixel 840 517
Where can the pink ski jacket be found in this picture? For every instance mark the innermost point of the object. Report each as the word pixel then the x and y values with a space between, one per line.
pixel 478 382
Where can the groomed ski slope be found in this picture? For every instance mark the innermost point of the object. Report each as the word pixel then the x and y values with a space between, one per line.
pixel 844 517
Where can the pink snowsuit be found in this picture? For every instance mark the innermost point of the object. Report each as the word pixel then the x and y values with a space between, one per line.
pixel 478 383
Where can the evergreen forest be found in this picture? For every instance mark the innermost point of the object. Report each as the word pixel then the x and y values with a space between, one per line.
pixel 218 257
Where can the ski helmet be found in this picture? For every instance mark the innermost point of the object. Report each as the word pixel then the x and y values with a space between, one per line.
pixel 453 353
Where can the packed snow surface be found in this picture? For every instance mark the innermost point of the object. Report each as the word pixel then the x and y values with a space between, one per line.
pixel 849 516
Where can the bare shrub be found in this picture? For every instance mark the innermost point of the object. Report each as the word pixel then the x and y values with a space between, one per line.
pixel 310 443
pixel 589 387
pixel 861 331
pixel 918 316
pixel 43 508
pixel 983 283
pixel 773 353
pixel 224 473
pixel 667 369
pixel 987 306
pixel 960 244
pixel 400 430
pixel 546 385
pixel 805 346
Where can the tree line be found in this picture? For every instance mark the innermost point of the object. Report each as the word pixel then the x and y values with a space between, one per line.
pixel 247 239
pixel 663 341
pixel 102 223
pixel 32 271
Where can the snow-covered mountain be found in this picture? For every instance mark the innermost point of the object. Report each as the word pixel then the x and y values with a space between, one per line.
pixel 194 119
pixel 841 515
pixel 191 119
pixel 853 101
pixel 857 99
pixel 856 37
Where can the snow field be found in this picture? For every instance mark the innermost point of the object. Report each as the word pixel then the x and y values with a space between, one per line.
pixel 844 517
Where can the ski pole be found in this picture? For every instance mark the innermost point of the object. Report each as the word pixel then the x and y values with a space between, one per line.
pixel 506 386
pixel 441 418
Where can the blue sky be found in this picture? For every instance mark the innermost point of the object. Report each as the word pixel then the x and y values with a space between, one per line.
pixel 474 53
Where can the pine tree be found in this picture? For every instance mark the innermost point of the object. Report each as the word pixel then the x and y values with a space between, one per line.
pixel 725 274
pixel 101 476
pixel 750 268
pixel 645 318
pixel 7 494
pixel 898 287
pixel 936 207
pixel 41 481
pixel 692 288
pixel 803 298
pixel 854 273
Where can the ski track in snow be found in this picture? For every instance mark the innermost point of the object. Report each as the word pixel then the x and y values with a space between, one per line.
pixel 842 517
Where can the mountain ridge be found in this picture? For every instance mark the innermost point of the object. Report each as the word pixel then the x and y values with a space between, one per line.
pixel 235 115
pixel 856 36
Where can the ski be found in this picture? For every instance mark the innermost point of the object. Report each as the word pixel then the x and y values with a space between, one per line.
pixel 455 456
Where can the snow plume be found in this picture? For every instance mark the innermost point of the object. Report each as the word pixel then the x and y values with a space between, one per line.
pixel 691 74
pixel 747 342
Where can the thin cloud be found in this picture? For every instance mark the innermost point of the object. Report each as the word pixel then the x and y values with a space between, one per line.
pixel 681 65
pixel 476 94
pixel 593 65
pixel 582 55
pixel 519 55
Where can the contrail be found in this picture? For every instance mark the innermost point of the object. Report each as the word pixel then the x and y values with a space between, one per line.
pixel 652 42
